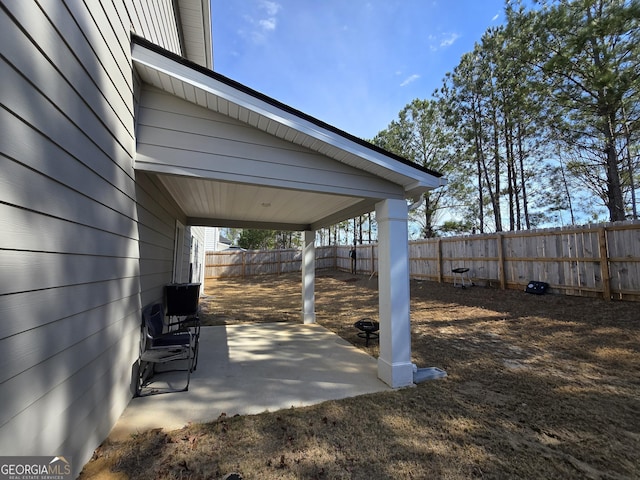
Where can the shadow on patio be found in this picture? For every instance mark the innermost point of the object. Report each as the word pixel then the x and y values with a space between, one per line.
pixel 252 368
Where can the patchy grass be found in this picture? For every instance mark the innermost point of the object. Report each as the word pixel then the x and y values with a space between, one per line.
pixel 538 387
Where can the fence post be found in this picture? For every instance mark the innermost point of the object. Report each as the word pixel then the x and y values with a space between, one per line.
pixel 279 262
pixel 373 261
pixel 605 274
pixel 439 259
pixel 501 272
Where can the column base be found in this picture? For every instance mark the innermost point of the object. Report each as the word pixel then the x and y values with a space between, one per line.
pixel 396 375
pixel 308 318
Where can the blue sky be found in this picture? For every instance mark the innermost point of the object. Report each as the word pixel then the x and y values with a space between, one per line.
pixel 351 63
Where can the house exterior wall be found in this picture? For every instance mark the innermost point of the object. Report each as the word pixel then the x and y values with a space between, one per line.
pixel 85 239
pixel 197 255
pixel 211 238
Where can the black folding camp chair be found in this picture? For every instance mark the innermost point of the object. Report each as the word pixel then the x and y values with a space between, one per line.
pixel 158 346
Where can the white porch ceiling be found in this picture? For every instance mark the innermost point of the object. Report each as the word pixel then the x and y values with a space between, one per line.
pixel 214 203
pixel 209 198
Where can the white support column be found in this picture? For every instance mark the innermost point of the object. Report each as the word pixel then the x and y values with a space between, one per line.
pixel 394 362
pixel 309 277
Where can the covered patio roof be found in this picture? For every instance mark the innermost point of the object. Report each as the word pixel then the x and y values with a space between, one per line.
pixel 233 157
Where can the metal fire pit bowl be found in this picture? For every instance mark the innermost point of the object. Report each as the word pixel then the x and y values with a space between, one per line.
pixel 368 329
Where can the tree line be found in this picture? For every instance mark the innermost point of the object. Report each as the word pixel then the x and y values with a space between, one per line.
pixel 541 118
pixel 538 125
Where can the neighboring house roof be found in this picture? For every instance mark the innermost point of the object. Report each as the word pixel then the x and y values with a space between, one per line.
pixel 314 173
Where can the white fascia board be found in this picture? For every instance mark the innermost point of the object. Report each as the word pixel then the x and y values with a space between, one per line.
pixel 157 61
pixel 417 188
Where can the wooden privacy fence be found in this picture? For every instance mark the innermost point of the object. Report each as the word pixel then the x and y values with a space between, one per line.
pixel 247 263
pixel 595 260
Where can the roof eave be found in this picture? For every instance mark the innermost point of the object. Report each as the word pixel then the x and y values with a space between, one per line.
pixel 414 178
pixel 195 31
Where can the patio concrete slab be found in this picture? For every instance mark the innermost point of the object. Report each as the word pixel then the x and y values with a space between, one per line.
pixel 252 368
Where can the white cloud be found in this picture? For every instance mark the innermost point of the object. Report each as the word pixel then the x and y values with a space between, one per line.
pixel 442 40
pixel 272 8
pixel 495 17
pixel 410 79
pixel 449 39
pixel 262 23
pixel 268 23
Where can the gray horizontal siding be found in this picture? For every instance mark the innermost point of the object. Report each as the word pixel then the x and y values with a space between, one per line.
pixel 84 239
pixel 198 234
pixel 32 309
pixel 91 82
pixel 87 239
pixel 39 122
pixel 58 394
pixel 176 136
pixel 156 19
pixel 24 270
pixel 157 216
pixel 59 202
pixel 51 340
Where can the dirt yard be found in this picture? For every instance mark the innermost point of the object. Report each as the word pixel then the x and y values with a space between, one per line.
pixel 538 387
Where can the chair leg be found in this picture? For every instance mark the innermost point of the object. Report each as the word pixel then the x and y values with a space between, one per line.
pixel 146 370
pixel 196 348
pixel 138 379
pixel 190 368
